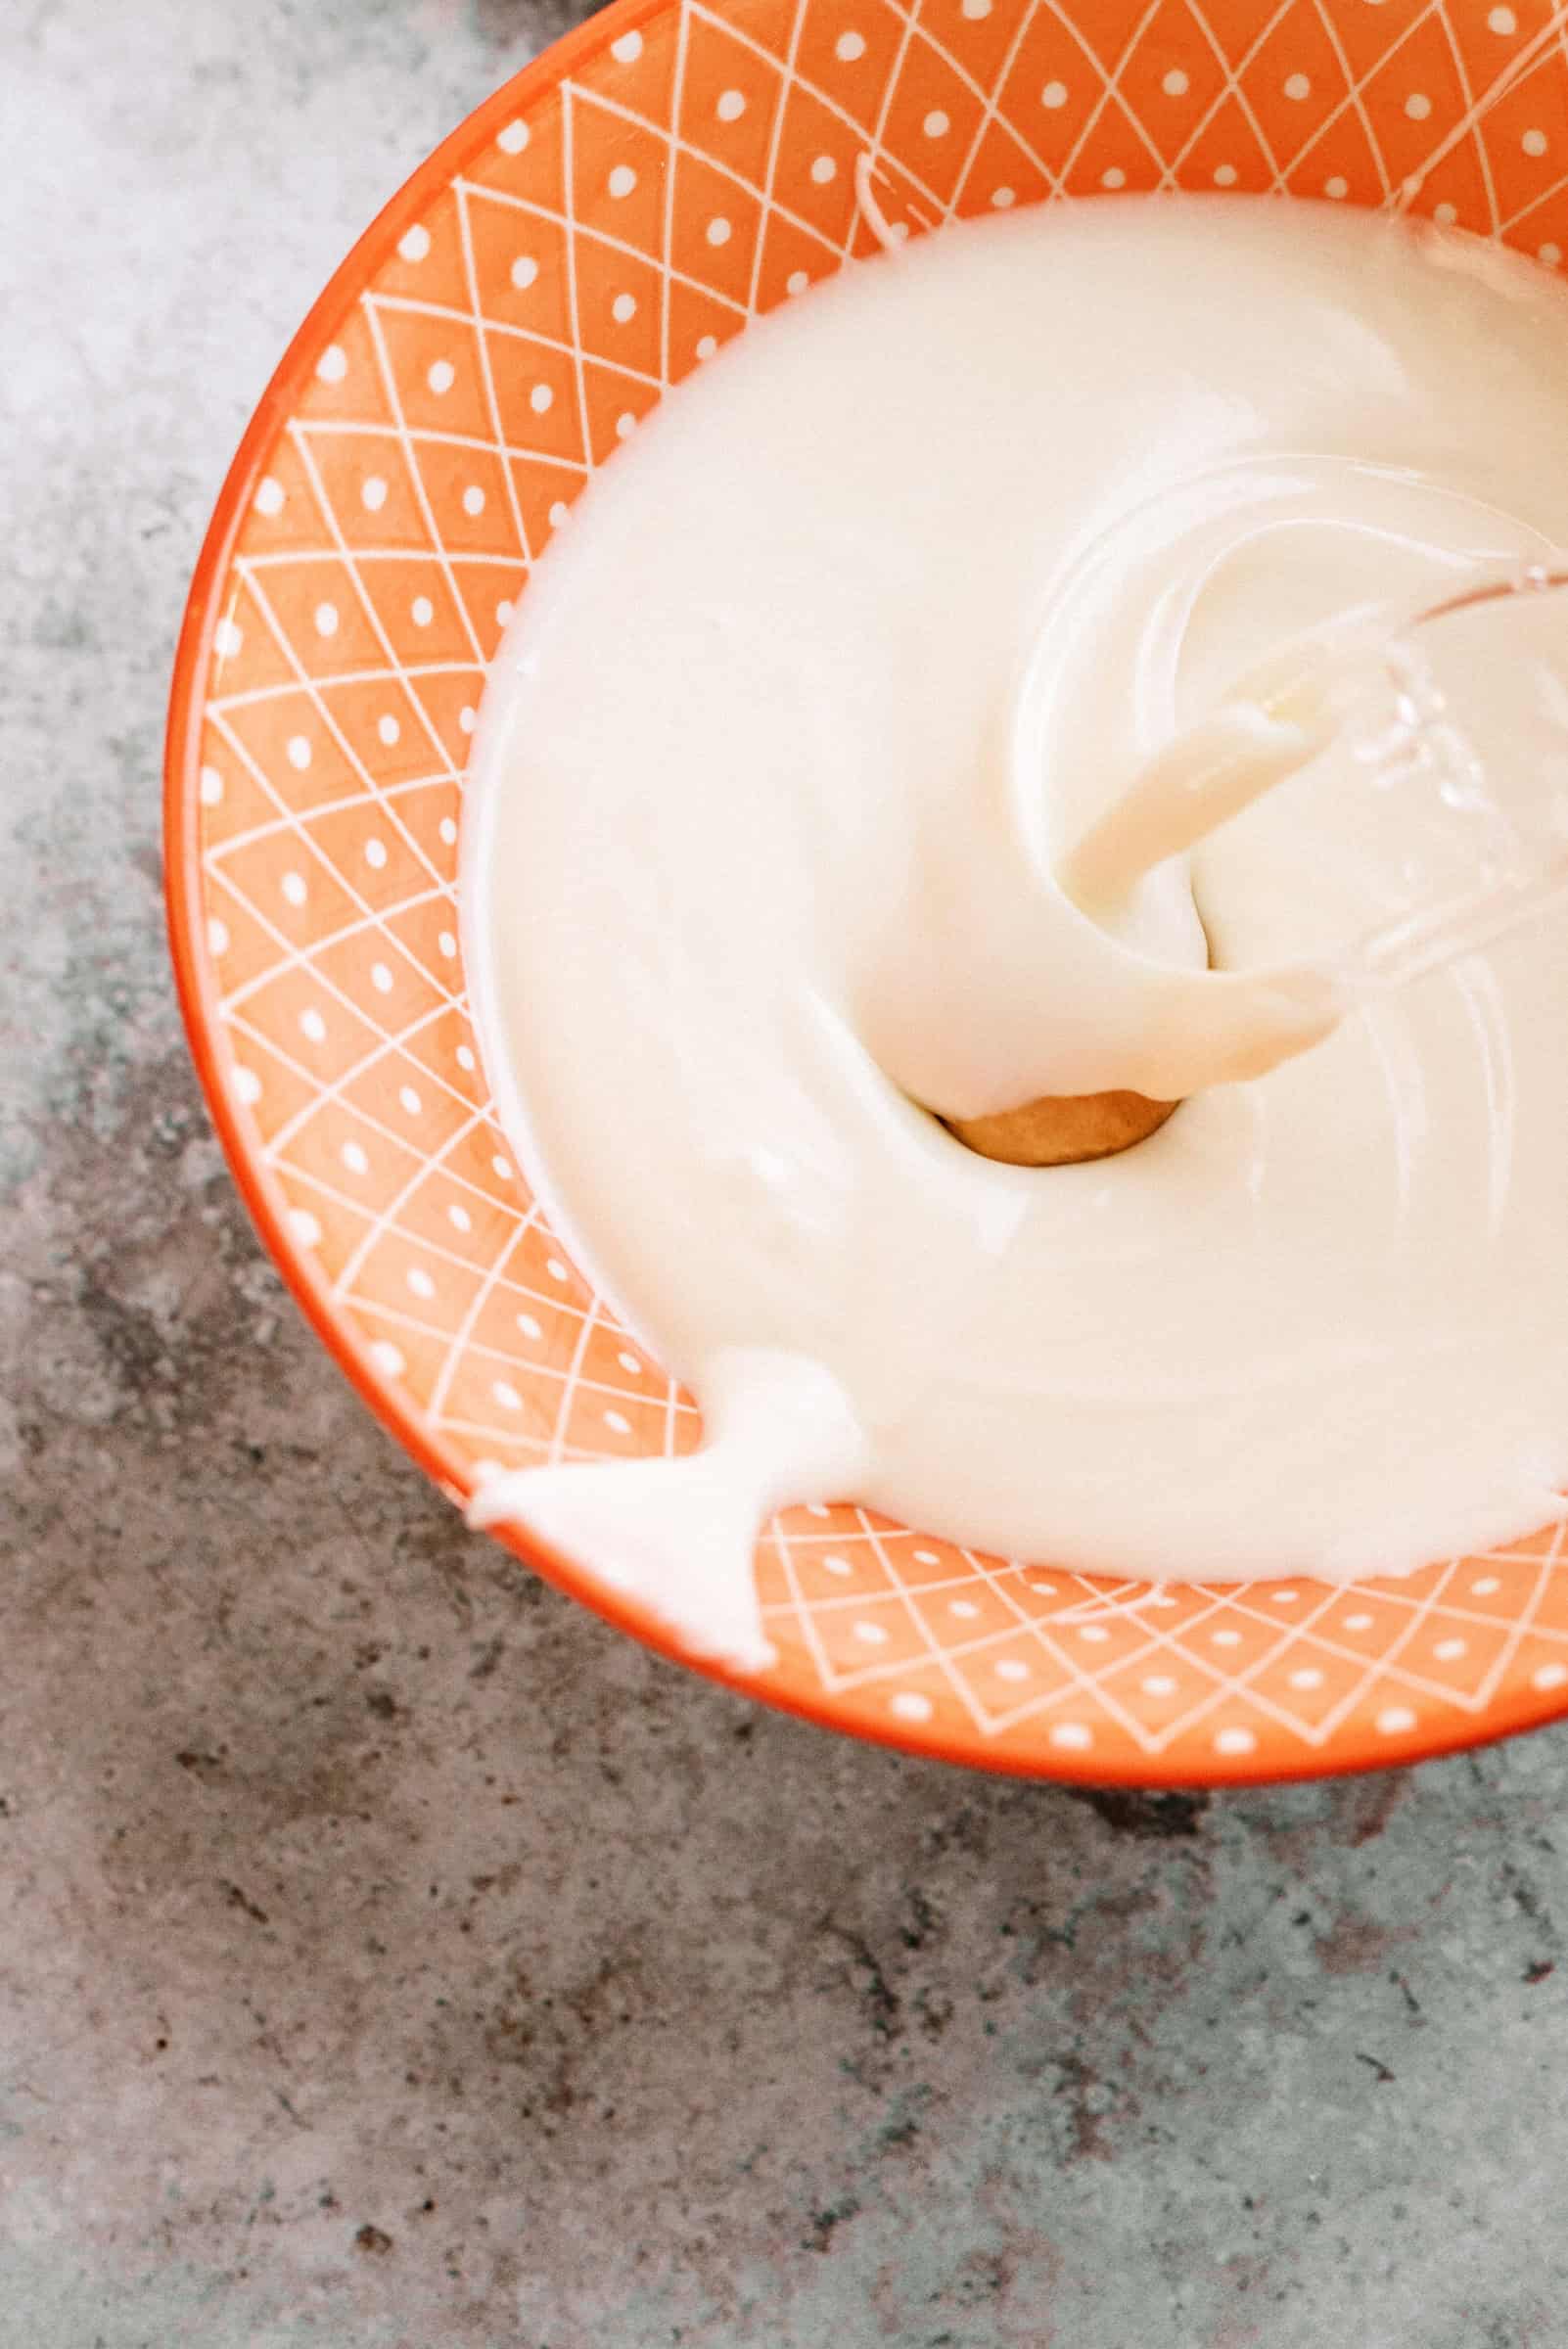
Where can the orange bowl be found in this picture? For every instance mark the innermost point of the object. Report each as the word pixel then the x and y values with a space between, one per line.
pixel 474 359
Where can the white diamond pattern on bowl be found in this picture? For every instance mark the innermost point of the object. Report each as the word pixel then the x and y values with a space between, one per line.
pixel 586 243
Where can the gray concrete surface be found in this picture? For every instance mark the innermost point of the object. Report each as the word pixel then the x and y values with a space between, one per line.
pixel 391 1958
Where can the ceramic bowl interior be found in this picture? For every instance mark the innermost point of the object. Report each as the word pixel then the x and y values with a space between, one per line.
pixel 588 238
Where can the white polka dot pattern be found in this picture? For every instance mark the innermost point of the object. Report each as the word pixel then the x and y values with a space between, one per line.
pixel 601 233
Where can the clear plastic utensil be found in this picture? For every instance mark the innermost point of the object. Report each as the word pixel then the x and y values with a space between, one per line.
pixel 1273 721
pixel 1532 880
pixel 1371 677
pixel 1453 714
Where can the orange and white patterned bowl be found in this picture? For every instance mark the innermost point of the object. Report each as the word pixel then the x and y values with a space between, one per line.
pixel 579 246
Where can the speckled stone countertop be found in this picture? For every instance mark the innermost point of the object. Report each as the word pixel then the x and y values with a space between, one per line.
pixel 390 1958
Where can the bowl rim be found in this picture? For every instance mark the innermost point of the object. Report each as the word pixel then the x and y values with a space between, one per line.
pixel 199 1004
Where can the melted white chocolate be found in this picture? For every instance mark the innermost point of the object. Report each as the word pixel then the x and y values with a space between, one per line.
pixel 789 779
